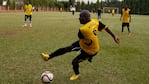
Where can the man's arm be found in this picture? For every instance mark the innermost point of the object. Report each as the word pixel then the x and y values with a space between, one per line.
pixel 130 18
pixel 116 39
pixel 130 15
pixel 102 26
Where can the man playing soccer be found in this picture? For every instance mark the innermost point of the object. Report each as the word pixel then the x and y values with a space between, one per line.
pixel 87 44
pixel 28 14
pixel 126 18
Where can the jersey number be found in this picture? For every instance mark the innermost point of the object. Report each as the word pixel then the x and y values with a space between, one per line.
pixel 94 32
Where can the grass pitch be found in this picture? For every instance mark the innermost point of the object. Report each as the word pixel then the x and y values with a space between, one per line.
pixel 20 62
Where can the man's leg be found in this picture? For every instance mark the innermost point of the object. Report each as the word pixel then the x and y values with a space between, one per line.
pixel 80 58
pixel 75 64
pixel 128 27
pixel 123 27
pixel 60 51
pixel 25 21
pixel 30 19
pixel 56 53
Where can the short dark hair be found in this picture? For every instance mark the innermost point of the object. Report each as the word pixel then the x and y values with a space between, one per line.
pixel 86 14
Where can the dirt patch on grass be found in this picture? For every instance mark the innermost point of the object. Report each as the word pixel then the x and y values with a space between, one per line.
pixel 10 33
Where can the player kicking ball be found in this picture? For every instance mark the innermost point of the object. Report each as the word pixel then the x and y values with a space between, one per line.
pixel 87 44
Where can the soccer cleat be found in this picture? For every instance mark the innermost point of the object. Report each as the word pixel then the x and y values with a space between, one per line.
pixel 129 34
pixel 25 25
pixel 45 56
pixel 30 25
pixel 74 76
pixel 122 33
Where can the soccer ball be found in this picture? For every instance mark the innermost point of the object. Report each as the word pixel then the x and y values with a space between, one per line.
pixel 47 77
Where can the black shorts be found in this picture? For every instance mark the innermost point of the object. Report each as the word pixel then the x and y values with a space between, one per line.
pixel 125 24
pixel 28 16
pixel 76 47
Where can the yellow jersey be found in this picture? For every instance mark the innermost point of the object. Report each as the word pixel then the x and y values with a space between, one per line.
pixel 113 11
pixel 125 15
pixel 28 9
pixel 88 36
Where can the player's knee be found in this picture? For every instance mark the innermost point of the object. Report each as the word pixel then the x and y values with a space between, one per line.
pixel 74 62
pixel 68 49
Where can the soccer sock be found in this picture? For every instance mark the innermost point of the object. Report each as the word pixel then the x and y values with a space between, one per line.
pixel 128 30
pixel 30 22
pixel 25 22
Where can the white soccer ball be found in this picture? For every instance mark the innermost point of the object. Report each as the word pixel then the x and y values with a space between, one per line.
pixel 47 77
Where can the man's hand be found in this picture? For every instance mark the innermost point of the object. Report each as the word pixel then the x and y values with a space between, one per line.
pixel 116 39
pixel 130 19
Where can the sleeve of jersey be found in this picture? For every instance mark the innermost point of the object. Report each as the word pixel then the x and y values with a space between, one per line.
pixel 80 35
pixel 101 26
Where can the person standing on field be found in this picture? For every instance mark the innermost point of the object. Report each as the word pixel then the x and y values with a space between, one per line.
pixel 126 19
pixel 99 13
pixel 73 9
pixel 113 12
pixel 88 43
pixel 28 14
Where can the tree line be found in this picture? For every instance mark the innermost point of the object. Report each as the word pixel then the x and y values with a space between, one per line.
pixel 137 6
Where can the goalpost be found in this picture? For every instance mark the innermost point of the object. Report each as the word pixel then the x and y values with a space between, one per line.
pixel 109 9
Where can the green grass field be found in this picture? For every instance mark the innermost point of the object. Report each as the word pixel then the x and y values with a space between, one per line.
pixel 20 62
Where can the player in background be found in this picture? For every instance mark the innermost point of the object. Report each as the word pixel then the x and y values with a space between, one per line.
pixel 113 12
pixel 28 14
pixel 99 13
pixel 73 10
pixel 87 44
pixel 61 9
pixel 126 18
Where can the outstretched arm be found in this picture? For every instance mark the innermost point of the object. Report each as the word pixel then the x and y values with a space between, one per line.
pixel 130 15
pixel 116 39
pixel 102 26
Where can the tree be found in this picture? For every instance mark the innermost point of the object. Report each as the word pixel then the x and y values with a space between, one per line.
pixel 1 1
pixel 138 6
